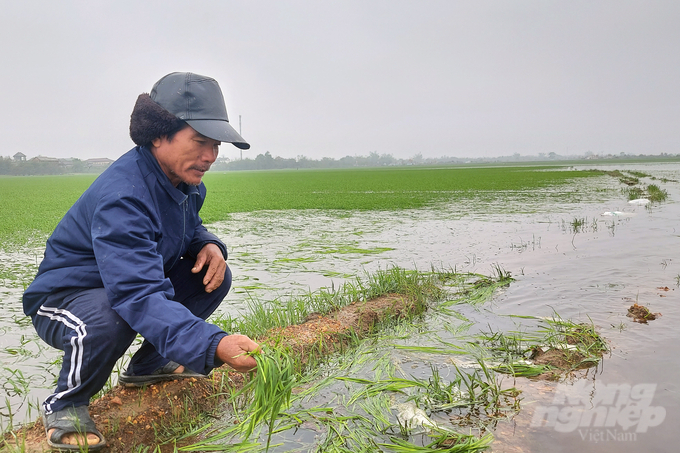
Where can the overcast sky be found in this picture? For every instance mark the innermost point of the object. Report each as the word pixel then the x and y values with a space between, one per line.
pixel 335 78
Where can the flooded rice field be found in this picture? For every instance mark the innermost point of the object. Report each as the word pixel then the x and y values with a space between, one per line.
pixel 583 253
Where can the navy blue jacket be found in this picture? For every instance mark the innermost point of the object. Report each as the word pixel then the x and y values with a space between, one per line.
pixel 123 234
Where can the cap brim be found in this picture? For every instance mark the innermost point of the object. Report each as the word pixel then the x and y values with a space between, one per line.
pixel 219 130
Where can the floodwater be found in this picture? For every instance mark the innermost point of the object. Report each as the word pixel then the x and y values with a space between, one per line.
pixel 631 402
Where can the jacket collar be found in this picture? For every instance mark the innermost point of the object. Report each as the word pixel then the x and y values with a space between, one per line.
pixel 150 165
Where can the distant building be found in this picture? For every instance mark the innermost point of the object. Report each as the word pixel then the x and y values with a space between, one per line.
pixel 19 157
pixel 45 159
pixel 67 162
pixel 99 162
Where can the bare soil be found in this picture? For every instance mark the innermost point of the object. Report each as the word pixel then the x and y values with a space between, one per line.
pixel 145 417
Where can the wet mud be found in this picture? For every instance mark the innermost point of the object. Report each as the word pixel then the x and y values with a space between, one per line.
pixel 641 314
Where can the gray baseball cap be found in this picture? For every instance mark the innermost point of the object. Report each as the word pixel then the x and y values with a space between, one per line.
pixel 198 101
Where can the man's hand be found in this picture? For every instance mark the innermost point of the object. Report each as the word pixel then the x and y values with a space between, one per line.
pixel 232 350
pixel 211 255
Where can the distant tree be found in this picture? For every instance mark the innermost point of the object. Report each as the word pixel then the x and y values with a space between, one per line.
pixel 264 161
pixel 78 166
pixel 374 159
pixel 347 162
pixel 5 165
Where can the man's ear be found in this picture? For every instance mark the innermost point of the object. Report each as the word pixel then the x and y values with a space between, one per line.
pixel 156 142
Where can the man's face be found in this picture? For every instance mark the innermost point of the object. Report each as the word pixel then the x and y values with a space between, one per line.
pixel 186 157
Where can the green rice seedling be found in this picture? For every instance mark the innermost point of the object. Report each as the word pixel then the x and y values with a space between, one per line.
pixel 656 194
pixel 430 349
pixel 37 204
pixel 562 332
pixel 458 329
pixel 633 193
pixel 368 189
pixel 445 443
pixel 500 275
pixel 13 442
pixel 612 173
pixel 260 317
pixel 522 368
pixel 478 288
pixel 577 224
pixel 210 445
pixel 628 180
pixel 15 383
pixel 271 388
pixel 383 365
pixel 379 409
pixel 269 392
pixel 404 428
pixel 376 387
pixel 484 395
pixel 440 396
pixel 638 174
pixel 504 344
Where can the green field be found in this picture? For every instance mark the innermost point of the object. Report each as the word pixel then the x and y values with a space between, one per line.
pixel 33 205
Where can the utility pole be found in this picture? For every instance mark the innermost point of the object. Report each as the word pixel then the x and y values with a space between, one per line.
pixel 239 132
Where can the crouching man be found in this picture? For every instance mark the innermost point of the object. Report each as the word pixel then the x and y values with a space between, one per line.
pixel 132 257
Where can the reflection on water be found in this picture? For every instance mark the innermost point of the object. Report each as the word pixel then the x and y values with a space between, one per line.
pixel 567 257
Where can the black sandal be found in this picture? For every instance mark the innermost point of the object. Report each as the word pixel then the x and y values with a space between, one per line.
pixel 164 373
pixel 72 420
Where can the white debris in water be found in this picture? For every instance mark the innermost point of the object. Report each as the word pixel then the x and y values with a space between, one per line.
pixel 562 346
pixel 639 201
pixel 618 213
pixel 460 363
pixel 411 416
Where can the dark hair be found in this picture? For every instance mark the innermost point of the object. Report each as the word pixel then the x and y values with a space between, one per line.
pixel 171 135
pixel 150 121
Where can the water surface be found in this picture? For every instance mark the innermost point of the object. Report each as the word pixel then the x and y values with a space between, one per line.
pixel 594 273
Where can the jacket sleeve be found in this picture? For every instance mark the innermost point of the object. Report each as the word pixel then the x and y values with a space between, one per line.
pixel 124 240
pixel 202 237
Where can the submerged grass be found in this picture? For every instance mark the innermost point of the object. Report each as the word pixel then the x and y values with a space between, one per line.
pixel 557 346
pixel 361 399
pixel 360 417
pixel 656 194
pixel 636 190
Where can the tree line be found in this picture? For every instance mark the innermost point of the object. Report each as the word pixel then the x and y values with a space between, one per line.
pixel 9 166
pixel 266 161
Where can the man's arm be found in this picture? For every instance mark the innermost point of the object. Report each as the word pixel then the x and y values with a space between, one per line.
pixel 202 237
pixel 124 244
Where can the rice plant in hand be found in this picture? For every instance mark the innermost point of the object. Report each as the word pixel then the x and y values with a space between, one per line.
pixel 271 386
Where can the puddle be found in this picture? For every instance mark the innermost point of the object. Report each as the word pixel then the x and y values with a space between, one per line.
pixel 566 256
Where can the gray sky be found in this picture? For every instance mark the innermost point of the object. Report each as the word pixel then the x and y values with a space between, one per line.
pixel 335 78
